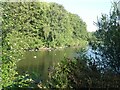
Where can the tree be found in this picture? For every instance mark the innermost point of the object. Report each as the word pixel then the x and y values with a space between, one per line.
pixel 31 25
pixel 108 40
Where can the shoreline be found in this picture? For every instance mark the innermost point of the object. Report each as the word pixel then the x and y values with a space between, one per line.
pixel 51 49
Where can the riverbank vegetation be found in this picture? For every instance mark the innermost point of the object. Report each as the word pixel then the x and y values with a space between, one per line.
pixel 101 71
pixel 35 25
pixel 43 24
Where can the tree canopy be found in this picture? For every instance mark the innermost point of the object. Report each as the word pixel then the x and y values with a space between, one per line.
pixel 101 71
pixel 108 40
pixel 32 25
pixel 48 23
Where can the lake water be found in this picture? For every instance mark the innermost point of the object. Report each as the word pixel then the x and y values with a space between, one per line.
pixel 38 63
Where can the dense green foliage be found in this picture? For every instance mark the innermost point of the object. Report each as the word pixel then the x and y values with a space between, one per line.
pixel 107 41
pixel 12 51
pixel 32 25
pixel 78 74
pixel 101 71
pixel 44 24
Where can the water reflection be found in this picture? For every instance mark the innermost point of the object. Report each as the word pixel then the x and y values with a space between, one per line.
pixel 37 64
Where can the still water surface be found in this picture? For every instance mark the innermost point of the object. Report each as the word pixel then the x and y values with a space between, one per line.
pixel 38 63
